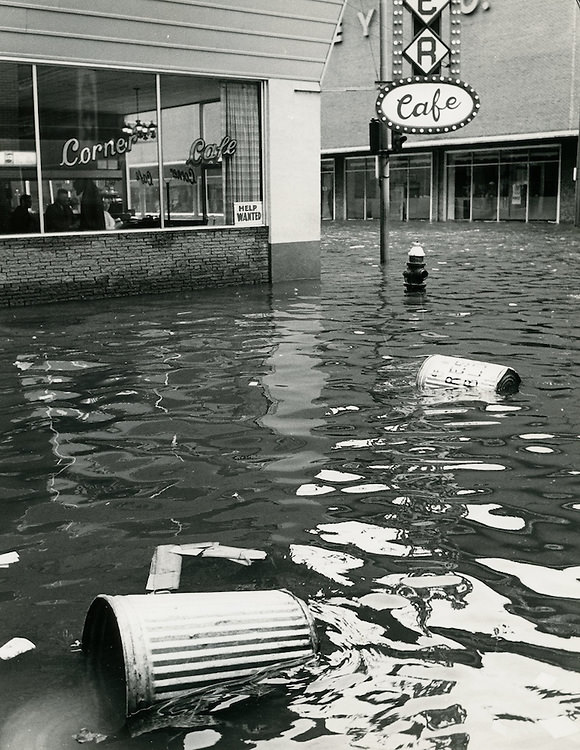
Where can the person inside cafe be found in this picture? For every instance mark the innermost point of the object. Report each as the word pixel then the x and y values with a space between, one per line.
pixel 92 211
pixel 110 221
pixel 59 216
pixel 23 220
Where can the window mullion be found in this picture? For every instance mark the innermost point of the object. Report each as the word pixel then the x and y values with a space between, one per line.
pixel 37 148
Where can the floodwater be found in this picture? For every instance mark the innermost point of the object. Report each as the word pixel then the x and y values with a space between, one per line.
pixel 434 535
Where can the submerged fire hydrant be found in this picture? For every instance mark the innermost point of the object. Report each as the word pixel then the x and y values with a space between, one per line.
pixel 416 273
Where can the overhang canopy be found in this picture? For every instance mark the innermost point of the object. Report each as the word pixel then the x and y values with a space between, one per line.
pixel 248 38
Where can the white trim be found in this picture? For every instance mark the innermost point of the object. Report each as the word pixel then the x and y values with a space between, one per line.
pixel 200 3
pixel 264 153
pixel 451 143
pixel 212 72
pixel 179 24
pixel 148 43
pixel 331 45
pixel 160 164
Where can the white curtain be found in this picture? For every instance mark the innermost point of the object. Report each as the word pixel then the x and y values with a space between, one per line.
pixel 241 121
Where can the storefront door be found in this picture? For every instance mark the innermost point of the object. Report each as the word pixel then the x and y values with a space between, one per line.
pixel 513 198
pixel 327 189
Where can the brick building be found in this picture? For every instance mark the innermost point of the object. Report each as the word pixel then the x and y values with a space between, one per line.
pixel 515 161
pixel 192 130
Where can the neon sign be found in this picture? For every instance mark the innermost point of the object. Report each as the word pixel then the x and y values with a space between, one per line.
pixel 201 152
pixel 427 105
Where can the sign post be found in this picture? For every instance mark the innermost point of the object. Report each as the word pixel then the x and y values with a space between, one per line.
pixel 383 157
pixel 577 213
pixel 424 104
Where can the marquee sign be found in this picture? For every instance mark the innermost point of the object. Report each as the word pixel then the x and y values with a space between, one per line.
pixel 426 51
pixel 427 10
pixel 426 105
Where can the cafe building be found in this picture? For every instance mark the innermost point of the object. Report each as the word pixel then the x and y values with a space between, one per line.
pixel 514 161
pixel 159 145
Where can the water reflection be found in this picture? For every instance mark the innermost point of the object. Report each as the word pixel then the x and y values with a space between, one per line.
pixel 295 379
pixel 434 534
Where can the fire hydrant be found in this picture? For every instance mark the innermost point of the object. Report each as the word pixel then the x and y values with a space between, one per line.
pixel 416 273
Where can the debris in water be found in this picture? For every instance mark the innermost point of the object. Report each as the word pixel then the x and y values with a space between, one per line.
pixel 85 735
pixel 241 555
pixel 15 647
pixel 165 570
pixel 8 558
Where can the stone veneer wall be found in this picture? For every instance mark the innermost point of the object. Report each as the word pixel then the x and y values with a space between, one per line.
pixel 57 268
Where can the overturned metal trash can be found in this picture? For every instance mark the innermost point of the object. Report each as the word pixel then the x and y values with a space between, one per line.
pixel 150 648
pixel 440 371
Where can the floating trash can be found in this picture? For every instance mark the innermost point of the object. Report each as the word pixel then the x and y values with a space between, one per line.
pixel 148 648
pixel 440 371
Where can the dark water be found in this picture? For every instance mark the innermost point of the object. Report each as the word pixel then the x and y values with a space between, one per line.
pixel 434 535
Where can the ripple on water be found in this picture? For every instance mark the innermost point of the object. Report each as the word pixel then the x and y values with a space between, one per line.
pixel 433 534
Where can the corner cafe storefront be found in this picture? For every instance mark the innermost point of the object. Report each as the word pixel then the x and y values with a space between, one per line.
pixel 122 130
pixel 194 126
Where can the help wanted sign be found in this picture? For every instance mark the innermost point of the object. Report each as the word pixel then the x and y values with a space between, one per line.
pixel 248 214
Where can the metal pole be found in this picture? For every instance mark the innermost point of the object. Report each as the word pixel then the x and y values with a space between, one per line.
pixel 577 212
pixel 577 206
pixel 383 156
pixel 577 186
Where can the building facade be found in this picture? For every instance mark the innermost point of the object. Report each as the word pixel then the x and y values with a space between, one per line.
pixel 192 130
pixel 515 161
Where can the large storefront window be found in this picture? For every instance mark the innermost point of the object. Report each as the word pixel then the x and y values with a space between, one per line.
pixel 212 150
pixel 362 191
pixel 514 184
pixel 86 152
pixel 410 187
pixel 18 174
pixel 182 118
pixel 126 150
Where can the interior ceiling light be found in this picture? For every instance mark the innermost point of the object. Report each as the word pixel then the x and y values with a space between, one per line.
pixel 138 129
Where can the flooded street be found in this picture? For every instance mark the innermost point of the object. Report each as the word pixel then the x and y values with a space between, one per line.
pixel 434 535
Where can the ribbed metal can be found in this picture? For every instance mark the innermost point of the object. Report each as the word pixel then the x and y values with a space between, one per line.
pixel 155 647
pixel 440 371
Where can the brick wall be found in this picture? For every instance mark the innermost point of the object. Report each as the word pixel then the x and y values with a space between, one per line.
pixel 52 268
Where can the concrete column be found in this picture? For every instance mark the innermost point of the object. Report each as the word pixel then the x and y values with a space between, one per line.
pixel 292 110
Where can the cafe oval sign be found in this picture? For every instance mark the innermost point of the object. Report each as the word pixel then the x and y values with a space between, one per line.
pixel 430 104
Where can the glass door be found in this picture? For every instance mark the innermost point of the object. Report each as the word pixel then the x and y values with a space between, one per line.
pixel 513 197
pixel 327 189
pixel 485 185
pixel 459 187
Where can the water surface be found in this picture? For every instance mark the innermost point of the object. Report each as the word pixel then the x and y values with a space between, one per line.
pixel 434 535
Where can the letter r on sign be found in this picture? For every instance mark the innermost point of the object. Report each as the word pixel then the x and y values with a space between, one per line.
pixel 427 48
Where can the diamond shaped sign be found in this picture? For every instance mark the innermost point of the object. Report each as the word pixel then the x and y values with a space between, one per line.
pixel 426 10
pixel 426 51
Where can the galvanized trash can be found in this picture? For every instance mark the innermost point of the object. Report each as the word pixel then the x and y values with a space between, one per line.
pixel 440 371
pixel 150 648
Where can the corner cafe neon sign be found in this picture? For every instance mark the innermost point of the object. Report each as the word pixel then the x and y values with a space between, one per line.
pixel 430 104
pixel 200 152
